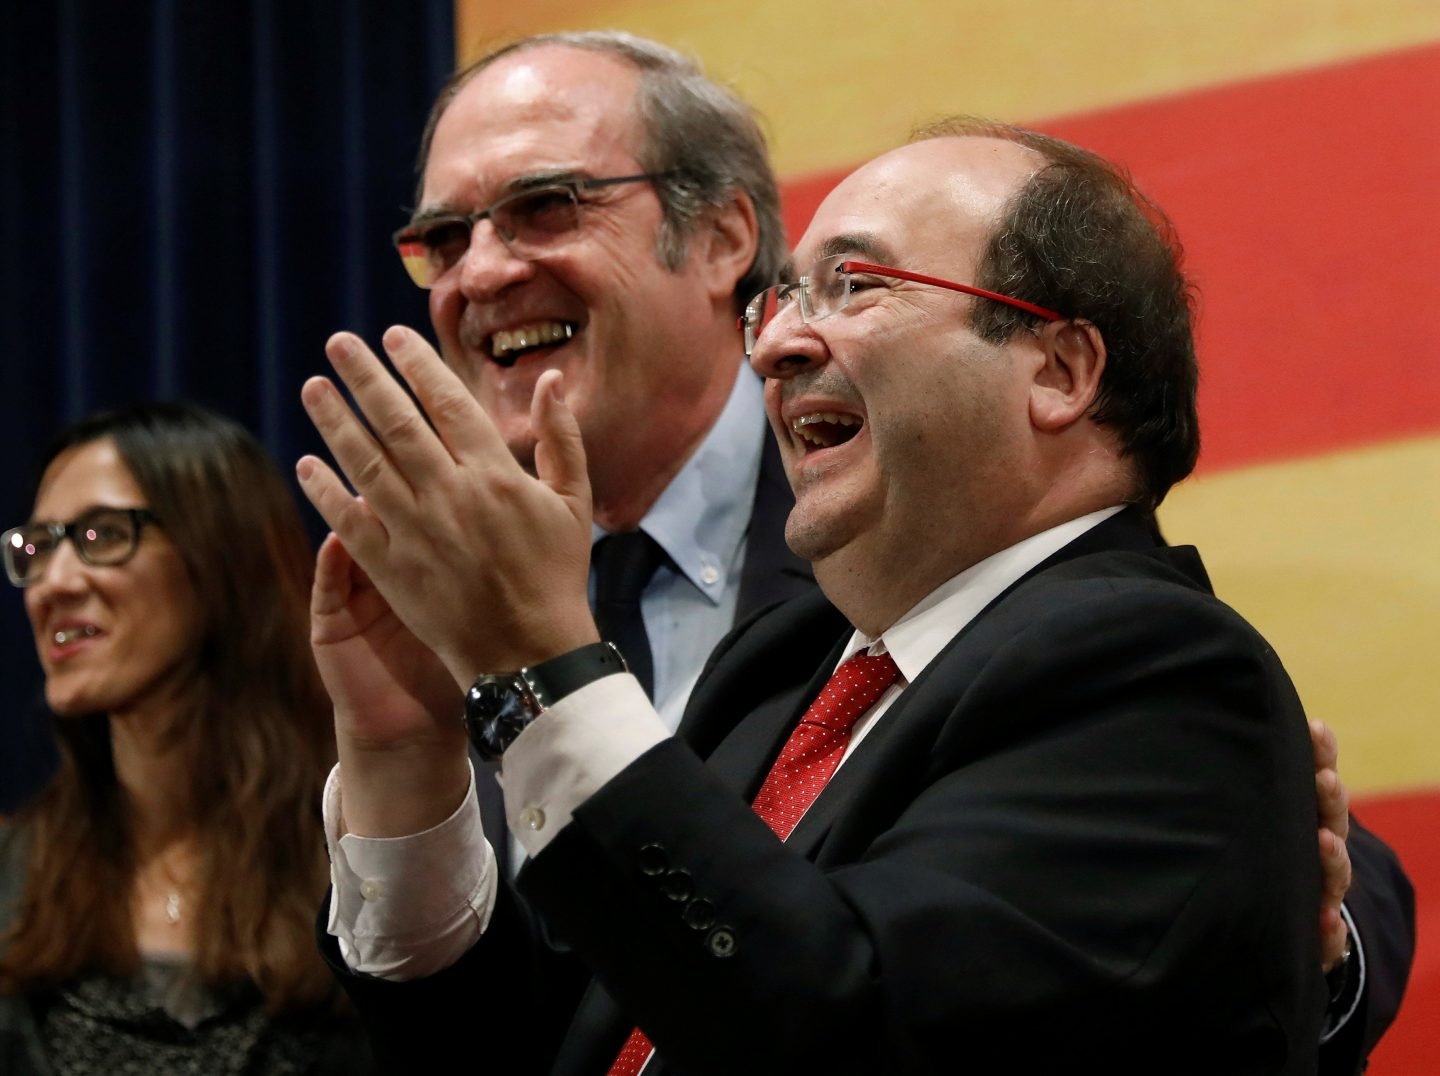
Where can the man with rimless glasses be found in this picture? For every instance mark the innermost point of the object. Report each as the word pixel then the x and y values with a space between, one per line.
pixel 591 203
pixel 1079 798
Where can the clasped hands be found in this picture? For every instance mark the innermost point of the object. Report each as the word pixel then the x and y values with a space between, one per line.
pixel 447 560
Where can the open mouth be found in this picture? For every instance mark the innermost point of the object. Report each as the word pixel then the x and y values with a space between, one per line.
pixel 508 345
pixel 826 429
pixel 68 635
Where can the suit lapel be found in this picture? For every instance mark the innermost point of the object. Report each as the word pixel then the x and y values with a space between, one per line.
pixel 744 757
pixel 779 650
pixel 901 740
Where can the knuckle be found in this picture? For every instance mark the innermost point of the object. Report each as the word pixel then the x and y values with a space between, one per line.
pixel 406 428
pixel 449 406
pixel 368 471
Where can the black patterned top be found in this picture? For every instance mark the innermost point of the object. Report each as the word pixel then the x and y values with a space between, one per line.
pixel 162 1022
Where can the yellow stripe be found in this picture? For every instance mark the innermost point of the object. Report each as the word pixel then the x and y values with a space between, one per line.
pixel 840 80
pixel 1334 560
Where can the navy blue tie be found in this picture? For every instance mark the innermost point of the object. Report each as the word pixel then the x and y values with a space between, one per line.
pixel 623 565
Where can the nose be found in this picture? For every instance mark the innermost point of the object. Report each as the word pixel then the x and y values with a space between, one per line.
pixel 488 266
pixel 787 346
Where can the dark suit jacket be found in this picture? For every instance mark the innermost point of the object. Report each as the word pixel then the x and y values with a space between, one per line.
pixel 1086 831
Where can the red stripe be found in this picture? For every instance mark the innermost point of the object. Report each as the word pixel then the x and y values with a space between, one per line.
pixel 1410 824
pixel 1310 209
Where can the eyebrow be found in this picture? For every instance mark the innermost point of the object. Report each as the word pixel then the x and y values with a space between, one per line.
pixel 83 512
pixel 867 244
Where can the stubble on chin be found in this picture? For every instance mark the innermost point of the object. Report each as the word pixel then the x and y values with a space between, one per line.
pixel 818 526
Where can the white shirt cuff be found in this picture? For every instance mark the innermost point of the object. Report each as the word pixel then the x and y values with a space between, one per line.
pixel 567 753
pixel 406 907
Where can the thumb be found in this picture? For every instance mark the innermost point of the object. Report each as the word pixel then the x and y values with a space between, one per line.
pixel 559 449
pixel 333 567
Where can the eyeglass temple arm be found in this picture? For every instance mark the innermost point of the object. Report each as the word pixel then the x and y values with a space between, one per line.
pixel 921 278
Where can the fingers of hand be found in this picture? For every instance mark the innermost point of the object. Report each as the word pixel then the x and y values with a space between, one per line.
pixel 1334 869
pixel 360 456
pixel 560 450
pixel 332 578
pixel 461 425
pixel 1333 803
pixel 1334 937
pixel 347 515
pixel 1324 744
pixel 399 452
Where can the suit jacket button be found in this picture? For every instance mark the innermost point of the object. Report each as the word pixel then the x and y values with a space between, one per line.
pixel 654 860
pixel 721 942
pixel 699 914
pixel 677 885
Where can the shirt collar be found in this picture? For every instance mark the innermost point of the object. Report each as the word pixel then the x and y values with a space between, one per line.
pixel 918 637
pixel 701 517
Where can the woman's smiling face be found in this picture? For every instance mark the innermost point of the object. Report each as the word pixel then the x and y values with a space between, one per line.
pixel 116 638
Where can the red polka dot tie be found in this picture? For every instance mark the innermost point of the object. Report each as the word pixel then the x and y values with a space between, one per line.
pixel 813 751
pixel 806 763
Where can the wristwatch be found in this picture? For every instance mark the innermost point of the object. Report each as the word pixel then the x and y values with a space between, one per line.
pixel 498 706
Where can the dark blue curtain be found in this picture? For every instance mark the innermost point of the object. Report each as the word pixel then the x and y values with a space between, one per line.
pixel 192 198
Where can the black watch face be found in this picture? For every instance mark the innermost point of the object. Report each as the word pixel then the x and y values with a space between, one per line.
pixel 495 713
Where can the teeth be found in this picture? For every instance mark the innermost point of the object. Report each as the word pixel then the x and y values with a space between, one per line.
pixel 546 332
pixel 69 635
pixel 802 425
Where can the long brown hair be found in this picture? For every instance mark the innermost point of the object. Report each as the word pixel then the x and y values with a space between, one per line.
pixel 254 736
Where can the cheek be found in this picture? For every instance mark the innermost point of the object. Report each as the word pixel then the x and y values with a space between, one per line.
pixel 445 304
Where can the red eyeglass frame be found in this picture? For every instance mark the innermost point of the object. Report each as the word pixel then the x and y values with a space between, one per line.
pixel 921 278
pixel 968 289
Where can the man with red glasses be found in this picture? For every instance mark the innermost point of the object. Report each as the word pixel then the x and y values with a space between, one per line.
pixel 964 873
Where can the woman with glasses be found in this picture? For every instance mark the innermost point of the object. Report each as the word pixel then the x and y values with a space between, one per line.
pixel 157 899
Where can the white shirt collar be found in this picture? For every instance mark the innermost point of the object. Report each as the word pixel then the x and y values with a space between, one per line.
pixel 918 637
pixel 701 517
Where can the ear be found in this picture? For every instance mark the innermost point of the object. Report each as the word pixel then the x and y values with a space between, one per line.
pixel 1068 379
pixel 724 245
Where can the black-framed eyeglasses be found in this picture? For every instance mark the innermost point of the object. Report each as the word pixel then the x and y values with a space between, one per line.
pixel 531 223
pixel 102 536
pixel 834 283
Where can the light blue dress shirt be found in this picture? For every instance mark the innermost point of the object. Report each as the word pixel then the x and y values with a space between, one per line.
pixel 700 521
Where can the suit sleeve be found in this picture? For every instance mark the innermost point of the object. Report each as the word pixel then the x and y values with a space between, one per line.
pixel 1381 902
pixel 1088 829
pixel 505 1004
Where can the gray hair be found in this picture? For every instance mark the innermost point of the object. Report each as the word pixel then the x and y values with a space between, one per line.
pixel 700 133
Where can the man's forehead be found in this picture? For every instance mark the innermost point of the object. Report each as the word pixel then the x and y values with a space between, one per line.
pixel 942 192
pixel 540 112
